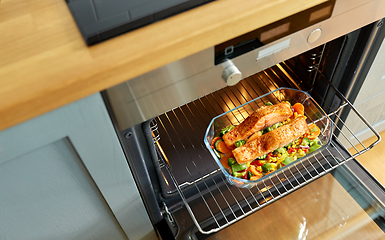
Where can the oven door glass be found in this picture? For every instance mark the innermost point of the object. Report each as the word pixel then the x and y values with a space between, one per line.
pixel 344 204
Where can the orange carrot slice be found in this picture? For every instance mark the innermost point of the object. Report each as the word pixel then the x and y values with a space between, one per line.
pixel 299 108
pixel 221 146
pixel 224 161
pixel 214 140
pixel 254 170
pixel 314 132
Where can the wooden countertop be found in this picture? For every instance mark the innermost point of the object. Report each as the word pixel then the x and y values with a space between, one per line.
pixel 45 64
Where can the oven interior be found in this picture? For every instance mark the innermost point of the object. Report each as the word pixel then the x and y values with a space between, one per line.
pixel 180 181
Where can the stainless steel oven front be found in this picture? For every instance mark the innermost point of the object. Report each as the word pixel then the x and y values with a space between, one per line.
pixel 161 117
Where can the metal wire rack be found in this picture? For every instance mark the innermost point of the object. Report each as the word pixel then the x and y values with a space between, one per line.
pixel 211 201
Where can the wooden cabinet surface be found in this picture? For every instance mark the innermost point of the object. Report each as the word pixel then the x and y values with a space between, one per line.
pixel 45 63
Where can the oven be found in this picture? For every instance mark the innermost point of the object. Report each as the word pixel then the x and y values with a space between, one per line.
pixel 161 118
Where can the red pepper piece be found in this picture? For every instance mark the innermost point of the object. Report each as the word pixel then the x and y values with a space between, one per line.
pixel 291 150
pixel 258 162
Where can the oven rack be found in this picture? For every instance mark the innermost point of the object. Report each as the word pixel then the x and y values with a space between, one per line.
pixel 218 204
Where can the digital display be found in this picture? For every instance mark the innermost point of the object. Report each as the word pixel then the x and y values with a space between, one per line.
pixel 324 12
pixel 275 32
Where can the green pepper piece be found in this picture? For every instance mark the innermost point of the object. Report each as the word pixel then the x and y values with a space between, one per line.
pixel 239 174
pixel 287 161
pixel 269 104
pixel 266 167
pixel 280 150
pixel 279 166
pixel 262 157
pixel 314 147
pixel 238 167
pixel 315 141
pixel 239 143
pixel 231 161
pixel 249 175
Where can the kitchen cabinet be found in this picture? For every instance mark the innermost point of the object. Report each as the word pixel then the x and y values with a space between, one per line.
pixel 63 175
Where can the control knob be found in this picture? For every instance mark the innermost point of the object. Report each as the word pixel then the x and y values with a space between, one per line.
pixel 231 74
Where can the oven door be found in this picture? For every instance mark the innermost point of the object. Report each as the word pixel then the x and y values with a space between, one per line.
pixel 344 204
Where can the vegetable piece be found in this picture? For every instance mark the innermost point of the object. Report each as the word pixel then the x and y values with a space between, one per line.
pixel 314 132
pixel 227 129
pixel 315 141
pixel 231 161
pixel 269 155
pixel 254 170
pixel 253 178
pixel 239 174
pixel 216 143
pixel 220 146
pixel 299 108
pixel 266 167
pixel 291 150
pixel 239 143
pixel 225 162
pixel 262 157
pixel 238 167
pixel 313 129
pixel 280 150
pixel 274 126
pixel 314 147
pixel 287 161
pixel 256 174
pixel 279 166
pixel 305 142
pixel 258 162
pixel 268 104
pixel 249 174
pixel 214 140
pixel 289 145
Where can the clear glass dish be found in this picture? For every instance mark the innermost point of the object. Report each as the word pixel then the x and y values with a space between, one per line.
pixel 313 112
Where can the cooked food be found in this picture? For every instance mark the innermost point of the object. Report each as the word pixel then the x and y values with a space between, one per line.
pixel 268 149
pixel 262 118
pixel 270 141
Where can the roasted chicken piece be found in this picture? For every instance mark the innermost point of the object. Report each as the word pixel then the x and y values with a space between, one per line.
pixel 270 141
pixel 262 118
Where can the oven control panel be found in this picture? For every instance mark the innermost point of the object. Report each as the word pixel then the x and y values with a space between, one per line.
pixel 272 32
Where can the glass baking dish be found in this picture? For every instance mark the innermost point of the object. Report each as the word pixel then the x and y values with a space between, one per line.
pixel 313 112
